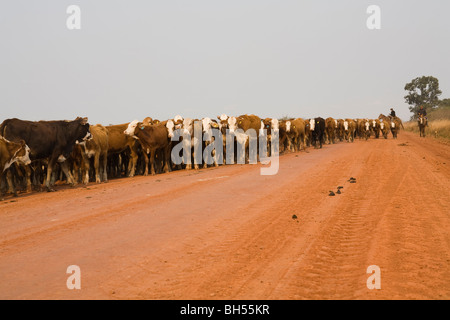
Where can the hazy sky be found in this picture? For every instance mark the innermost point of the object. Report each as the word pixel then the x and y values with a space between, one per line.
pixel 198 58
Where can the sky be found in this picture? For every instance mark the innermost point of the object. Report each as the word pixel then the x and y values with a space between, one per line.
pixel 202 58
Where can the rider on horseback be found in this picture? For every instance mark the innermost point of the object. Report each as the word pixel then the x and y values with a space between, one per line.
pixel 422 112
pixel 392 114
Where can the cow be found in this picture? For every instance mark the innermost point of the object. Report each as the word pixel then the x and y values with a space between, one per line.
pixel 191 127
pixel 384 127
pixel 375 127
pixel 308 132
pixel 97 147
pixel 251 126
pixel 393 124
pixel 121 147
pixel 349 129
pixel 364 128
pixel 271 126
pixel 317 127
pixel 239 140
pixel 340 132
pixel 359 128
pixel 295 131
pixel 152 138
pixel 331 126
pixel 208 125
pixel 396 122
pixel 283 138
pixel 224 125
pixel 48 139
pixel 11 152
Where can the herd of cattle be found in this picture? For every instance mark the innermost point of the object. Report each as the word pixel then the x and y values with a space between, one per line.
pixel 39 153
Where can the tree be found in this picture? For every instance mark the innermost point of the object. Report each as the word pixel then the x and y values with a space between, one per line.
pixel 422 91
pixel 444 103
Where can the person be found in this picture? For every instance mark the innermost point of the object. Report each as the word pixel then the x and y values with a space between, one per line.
pixel 392 114
pixel 423 112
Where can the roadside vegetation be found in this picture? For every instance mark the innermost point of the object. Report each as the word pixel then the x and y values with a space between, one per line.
pixel 424 91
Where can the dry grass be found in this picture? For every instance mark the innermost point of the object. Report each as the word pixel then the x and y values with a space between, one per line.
pixel 437 129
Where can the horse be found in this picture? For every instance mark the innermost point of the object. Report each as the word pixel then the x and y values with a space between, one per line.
pixel 422 122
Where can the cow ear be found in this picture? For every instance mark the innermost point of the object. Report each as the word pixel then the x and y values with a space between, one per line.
pixel 84 121
pixel 22 142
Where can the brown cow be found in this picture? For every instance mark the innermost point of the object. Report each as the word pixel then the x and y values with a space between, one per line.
pixel 364 128
pixel 375 127
pixel 119 142
pixel 152 138
pixel 384 127
pixel 340 129
pixel 97 147
pixel 308 132
pixel 295 131
pixel 283 138
pixel 349 130
pixel 11 152
pixel 271 125
pixel 331 126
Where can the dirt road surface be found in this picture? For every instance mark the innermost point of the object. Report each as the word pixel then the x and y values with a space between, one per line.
pixel 229 233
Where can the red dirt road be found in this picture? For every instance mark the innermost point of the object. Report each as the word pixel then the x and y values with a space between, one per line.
pixel 229 233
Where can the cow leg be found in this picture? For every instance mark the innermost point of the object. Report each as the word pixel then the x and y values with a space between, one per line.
pixel 85 167
pixel 133 162
pixel 65 169
pixel 152 161
pixel 51 164
pixel 144 155
pixel 11 184
pixel 97 167
pixel 105 166
pixel 167 166
pixel 205 163
pixel 28 175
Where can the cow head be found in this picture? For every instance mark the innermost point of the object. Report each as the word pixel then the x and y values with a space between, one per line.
pixel 170 125
pixel 130 131
pixel 223 122
pixel 23 156
pixel 178 121
pixel 188 126
pixel 312 124
pixel 147 121
pixel 288 126
pixel 232 124
pixel 206 123
pixel 82 133
pixel 20 153
pixel 345 125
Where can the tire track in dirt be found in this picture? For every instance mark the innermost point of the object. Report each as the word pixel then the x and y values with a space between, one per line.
pixel 228 233
pixel 417 267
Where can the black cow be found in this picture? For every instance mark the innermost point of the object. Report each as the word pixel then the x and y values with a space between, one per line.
pixel 317 127
pixel 52 140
